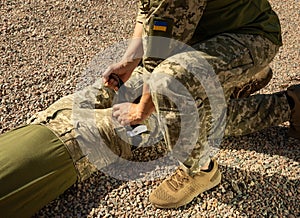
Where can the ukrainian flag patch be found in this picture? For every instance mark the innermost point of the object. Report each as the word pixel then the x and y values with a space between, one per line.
pixel 160 25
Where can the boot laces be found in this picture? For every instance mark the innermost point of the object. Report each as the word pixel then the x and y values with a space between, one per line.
pixel 177 180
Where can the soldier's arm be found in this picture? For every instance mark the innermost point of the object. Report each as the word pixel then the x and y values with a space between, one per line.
pixel 129 62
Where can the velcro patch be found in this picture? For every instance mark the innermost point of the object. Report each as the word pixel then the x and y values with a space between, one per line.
pixel 160 25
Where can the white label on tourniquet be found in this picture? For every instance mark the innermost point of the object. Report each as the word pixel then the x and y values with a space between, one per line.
pixel 137 130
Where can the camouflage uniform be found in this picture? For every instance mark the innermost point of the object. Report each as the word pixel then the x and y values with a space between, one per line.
pixel 83 121
pixel 234 64
pixel 234 56
pixel 226 60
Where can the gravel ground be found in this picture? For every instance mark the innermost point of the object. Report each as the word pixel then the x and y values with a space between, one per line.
pixel 46 47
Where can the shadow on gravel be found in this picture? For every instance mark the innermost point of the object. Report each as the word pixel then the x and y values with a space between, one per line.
pixel 272 141
pixel 257 195
pixel 251 194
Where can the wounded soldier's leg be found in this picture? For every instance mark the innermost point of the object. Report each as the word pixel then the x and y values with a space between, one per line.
pixel 88 134
pixel 99 139
pixel 35 168
pixel 38 162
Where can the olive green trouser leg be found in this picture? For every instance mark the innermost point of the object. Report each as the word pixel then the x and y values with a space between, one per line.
pixel 35 168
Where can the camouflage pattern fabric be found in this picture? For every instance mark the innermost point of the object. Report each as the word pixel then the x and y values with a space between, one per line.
pixel 235 59
pixel 58 118
pixel 84 121
pixel 71 125
pixel 183 15
pixel 226 55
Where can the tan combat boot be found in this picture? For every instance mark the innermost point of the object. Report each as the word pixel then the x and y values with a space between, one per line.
pixel 181 188
pixel 293 93
pixel 258 81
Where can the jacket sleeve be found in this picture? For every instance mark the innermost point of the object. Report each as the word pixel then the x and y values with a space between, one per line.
pixel 167 25
pixel 185 16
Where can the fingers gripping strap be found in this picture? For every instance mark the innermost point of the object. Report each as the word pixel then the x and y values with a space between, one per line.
pixel 116 78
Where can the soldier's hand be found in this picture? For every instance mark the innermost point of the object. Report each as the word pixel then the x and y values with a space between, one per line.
pixel 121 70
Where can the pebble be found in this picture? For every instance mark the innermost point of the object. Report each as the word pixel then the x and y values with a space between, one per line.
pixel 46 48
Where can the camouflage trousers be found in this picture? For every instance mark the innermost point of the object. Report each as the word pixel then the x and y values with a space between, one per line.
pixel 192 92
pixel 194 95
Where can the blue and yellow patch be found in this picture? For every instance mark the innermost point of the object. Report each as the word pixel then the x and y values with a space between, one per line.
pixel 160 25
